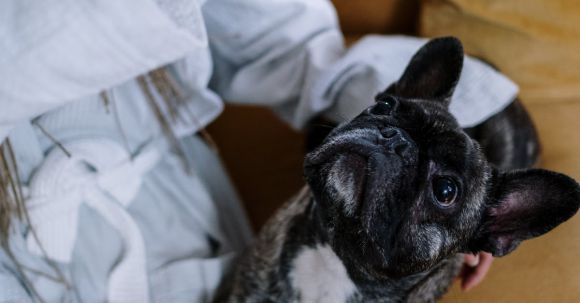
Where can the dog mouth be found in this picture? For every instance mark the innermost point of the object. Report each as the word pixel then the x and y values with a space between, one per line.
pixel 362 142
pixel 365 142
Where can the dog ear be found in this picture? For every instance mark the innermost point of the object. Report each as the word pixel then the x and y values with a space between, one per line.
pixel 432 73
pixel 525 204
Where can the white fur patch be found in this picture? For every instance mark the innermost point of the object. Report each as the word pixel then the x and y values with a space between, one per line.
pixel 320 276
pixel 344 184
pixel 435 240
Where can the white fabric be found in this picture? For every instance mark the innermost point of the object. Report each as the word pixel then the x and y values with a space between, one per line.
pixel 377 61
pixel 101 174
pixel 56 51
pixel 287 54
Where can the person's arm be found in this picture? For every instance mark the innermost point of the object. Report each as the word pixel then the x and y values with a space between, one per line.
pixel 289 55
pixel 273 53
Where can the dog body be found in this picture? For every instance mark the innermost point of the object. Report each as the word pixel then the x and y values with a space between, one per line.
pixel 292 261
pixel 396 195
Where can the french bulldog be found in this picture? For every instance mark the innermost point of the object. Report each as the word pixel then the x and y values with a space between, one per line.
pixel 397 194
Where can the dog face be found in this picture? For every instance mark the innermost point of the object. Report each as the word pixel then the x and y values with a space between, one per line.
pixel 401 186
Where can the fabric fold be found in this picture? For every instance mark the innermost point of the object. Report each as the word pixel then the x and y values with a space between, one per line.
pixel 101 174
pixel 377 61
pixel 58 51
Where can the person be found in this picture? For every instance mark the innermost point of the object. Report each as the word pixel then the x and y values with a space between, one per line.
pixel 117 198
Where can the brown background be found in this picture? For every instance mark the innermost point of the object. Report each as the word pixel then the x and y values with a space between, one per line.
pixel 264 156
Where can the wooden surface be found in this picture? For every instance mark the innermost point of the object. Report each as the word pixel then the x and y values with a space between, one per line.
pixel 263 156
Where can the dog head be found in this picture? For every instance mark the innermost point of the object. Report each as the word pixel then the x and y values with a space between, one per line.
pixel 401 186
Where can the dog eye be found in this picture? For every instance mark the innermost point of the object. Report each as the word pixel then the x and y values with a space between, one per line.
pixel 444 190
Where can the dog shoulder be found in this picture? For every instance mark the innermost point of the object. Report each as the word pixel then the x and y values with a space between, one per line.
pixel 261 274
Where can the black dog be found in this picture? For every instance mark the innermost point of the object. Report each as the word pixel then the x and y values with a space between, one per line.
pixel 396 194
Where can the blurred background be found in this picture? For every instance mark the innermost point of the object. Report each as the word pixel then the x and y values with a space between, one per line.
pixel 534 42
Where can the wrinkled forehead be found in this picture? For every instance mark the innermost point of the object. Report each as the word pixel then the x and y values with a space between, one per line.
pixel 425 114
pixel 437 134
pixel 450 147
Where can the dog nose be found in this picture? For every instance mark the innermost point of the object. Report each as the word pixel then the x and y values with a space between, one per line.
pixel 397 141
pixel 383 107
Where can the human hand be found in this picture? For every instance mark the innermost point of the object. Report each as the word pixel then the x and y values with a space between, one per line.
pixel 475 268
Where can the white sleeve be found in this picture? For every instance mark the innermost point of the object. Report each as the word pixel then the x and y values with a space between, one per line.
pixel 273 52
pixel 289 54
pixel 375 62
